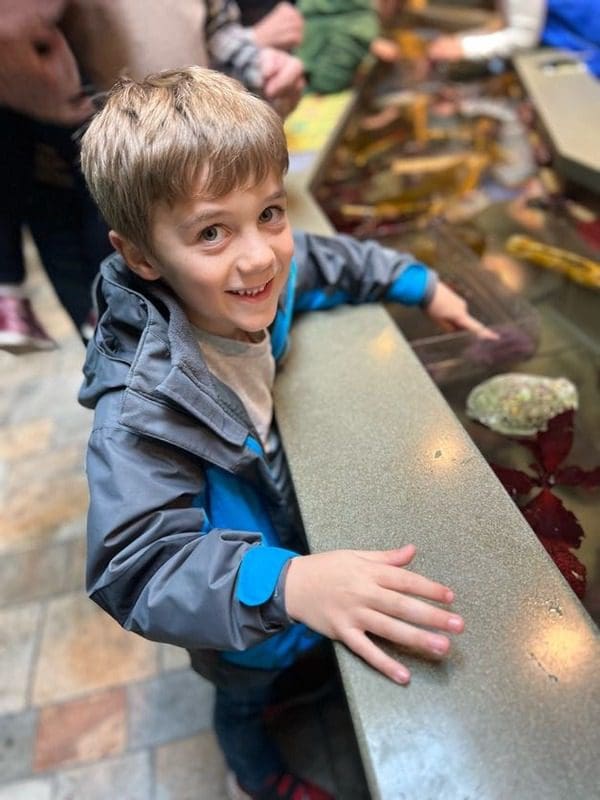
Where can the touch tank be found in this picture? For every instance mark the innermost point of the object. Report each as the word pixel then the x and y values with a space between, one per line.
pixel 451 163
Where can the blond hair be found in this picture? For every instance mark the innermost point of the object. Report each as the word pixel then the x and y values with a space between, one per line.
pixel 154 139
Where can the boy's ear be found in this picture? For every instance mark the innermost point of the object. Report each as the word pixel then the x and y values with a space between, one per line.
pixel 134 257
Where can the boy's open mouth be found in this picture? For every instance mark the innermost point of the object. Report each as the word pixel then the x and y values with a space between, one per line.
pixel 258 293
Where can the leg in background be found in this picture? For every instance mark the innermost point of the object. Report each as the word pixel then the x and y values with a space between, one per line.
pixel 20 330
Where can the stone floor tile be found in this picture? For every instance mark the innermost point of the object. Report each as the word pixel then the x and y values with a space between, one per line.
pixel 60 464
pixel 21 441
pixel 4 472
pixel 72 529
pixel 16 745
pixel 171 657
pixel 34 574
pixel 18 634
pixel 19 371
pixel 126 778
pixel 174 705
pixel 191 769
pixel 51 384
pixel 27 790
pixel 75 575
pixel 34 509
pixel 73 423
pixel 83 649
pixel 87 729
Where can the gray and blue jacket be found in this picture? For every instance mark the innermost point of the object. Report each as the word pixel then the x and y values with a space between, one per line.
pixel 188 529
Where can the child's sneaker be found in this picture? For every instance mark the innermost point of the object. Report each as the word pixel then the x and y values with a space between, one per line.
pixel 283 787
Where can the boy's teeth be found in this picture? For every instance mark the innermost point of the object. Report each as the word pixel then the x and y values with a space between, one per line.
pixel 251 292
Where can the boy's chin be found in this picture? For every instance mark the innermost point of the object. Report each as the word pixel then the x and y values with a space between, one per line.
pixel 255 329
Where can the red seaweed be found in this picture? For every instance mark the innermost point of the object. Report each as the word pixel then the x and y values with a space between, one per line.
pixel 556 527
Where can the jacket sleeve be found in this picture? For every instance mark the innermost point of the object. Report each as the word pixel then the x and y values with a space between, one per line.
pixel 341 269
pixel 153 562
pixel 231 47
pixel 524 23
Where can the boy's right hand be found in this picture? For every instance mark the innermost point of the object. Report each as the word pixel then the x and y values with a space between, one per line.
pixel 346 594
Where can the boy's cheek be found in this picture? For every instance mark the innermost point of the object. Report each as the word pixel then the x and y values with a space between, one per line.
pixel 288 240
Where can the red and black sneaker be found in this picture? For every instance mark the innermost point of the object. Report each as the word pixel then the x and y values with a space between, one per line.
pixel 282 787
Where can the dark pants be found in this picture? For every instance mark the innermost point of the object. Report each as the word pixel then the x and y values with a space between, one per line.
pixel 41 186
pixel 243 696
pixel 249 750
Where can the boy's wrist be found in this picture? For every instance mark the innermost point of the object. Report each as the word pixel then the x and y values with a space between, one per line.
pixel 292 592
pixel 275 612
pixel 433 280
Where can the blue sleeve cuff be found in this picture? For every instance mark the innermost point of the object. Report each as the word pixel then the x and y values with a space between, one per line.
pixel 410 287
pixel 259 573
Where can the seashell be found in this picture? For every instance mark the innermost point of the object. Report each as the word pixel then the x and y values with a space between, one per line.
pixel 517 404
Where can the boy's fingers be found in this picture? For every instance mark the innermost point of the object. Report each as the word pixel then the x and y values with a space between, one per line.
pixel 415 584
pixel 469 323
pixel 416 612
pixel 360 643
pixel 399 557
pixel 426 643
pixel 406 581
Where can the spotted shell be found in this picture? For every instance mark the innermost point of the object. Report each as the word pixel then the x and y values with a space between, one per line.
pixel 520 405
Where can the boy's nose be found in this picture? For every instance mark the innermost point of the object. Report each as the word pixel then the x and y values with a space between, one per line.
pixel 255 253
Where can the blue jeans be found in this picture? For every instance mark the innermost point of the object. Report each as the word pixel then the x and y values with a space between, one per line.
pixel 248 748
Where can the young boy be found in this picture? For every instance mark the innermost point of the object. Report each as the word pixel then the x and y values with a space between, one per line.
pixel 194 535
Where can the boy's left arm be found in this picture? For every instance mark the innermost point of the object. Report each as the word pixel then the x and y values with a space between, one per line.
pixel 450 311
pixel 333 270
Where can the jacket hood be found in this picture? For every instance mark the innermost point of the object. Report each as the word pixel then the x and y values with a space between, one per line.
pixel 142 334
pixel 124 313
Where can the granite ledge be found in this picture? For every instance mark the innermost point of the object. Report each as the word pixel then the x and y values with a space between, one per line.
pixel 378 460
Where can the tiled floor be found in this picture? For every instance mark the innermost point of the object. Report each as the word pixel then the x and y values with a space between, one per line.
pixel 87 711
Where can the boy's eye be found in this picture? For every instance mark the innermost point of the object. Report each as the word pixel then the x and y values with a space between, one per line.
pixel 211 234
pixel 272 214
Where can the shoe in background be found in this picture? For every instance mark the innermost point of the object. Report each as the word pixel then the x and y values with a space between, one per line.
pixel 20 330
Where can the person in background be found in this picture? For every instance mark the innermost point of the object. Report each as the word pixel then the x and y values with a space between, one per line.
pixel 568 24
pixel 194 534
pixel 109 40
pixel 331 37
pixel 282 26
pixel 43 46
pixel 41 106
pixel 337 37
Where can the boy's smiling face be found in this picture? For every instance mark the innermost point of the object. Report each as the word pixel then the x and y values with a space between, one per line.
pixel 226 259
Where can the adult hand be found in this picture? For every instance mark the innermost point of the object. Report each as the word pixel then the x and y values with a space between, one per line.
pixel 39 76
pixel 283 79
pixel 282 27
pixel 446 48
pixel 346 594
pixel 450 311
pixel 385 49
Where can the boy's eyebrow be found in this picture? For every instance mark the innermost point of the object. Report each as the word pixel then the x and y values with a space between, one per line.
pixel 202 217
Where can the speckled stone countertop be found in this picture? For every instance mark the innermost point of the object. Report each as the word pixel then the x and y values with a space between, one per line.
pixel 378 460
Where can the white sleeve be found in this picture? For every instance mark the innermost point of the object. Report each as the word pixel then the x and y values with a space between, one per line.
pixel 524 22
